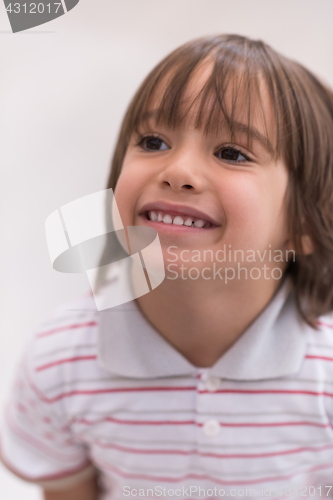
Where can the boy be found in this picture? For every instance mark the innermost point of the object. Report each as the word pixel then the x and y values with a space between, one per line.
pixel 218 382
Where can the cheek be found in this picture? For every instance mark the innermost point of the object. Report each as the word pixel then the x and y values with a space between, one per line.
pixel 125 197
pixel 242 200
pixel 254 206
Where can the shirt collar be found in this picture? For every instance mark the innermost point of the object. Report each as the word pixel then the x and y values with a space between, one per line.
pixel 272 346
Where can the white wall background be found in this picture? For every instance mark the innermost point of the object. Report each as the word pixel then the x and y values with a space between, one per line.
pixel 64 87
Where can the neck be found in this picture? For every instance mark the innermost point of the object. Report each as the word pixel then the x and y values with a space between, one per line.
pixel 202 319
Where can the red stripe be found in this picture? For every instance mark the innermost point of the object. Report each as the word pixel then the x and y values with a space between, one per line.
pixel 310 356
pixel 209 454
pixel 321 323
pixel 108 391
pixel 179 479
pixel 162 389
pixel 272 424
pixel 66 360
pixel 64 328
pixel 63 395
pixel 193 422
pixel 45 399
pixel 132 422
pixel 266 391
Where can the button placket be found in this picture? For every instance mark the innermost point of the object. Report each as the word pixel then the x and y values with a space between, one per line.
pixel 211 427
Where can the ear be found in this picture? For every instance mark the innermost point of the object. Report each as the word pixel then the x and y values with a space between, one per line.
pixel 307 244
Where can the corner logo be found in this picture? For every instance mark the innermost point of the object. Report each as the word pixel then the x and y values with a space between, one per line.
pixel 24 14
pixel 87 235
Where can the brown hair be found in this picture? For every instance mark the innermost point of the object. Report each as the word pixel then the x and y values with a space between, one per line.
pixel 303 111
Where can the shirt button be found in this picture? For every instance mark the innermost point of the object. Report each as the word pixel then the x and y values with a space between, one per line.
pixel 212 384
pixel 211 428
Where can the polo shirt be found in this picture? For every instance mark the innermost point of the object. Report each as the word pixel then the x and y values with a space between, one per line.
pixel 104 390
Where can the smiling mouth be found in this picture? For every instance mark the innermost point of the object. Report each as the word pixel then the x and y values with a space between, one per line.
pixel 177 220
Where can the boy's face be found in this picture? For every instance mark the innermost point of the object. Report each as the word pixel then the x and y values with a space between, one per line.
pixel 242 190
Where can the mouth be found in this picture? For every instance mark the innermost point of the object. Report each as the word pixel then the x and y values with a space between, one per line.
pixel 166 216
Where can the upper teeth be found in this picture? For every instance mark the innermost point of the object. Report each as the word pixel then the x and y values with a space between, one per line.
pixel 177 220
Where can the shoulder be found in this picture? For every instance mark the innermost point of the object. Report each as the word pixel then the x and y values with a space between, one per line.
pixel 325 323
pixel 76 315
pixel 324 331
pixel 63 344
pixel 72 322
pixel 63 356
pixel 36 441
pixel 319 355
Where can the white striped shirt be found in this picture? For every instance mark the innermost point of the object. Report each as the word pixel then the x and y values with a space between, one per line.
pixel 104 388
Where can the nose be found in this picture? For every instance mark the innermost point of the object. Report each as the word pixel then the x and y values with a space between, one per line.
pixel 183 172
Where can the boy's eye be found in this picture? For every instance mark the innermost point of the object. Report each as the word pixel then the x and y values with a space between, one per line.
pixel 231 154
pixel 152 143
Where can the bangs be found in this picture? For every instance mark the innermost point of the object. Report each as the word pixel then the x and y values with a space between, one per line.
pixel 230 96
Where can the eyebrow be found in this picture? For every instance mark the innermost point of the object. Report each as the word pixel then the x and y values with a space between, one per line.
pixel 240 128
pixel 254 134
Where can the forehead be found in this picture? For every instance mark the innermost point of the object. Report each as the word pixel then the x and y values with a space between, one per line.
pixel 213 101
